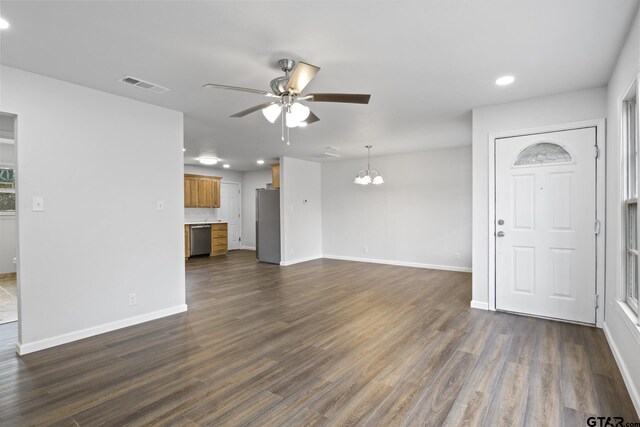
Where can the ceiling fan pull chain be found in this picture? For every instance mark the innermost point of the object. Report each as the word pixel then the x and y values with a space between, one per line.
pixel 288 142
pixel 282 117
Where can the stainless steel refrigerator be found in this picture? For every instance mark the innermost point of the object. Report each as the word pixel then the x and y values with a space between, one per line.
pixel 268 226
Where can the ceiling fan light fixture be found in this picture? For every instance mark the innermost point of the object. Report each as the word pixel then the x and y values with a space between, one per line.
pixel 290 121
pixel 296 114
pixel 272 112
pixel 299 111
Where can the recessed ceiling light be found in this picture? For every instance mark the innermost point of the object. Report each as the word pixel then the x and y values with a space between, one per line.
pixel 260 162
pixel 208 160
pixel 226 166
pixel 505 80
pixel 4 24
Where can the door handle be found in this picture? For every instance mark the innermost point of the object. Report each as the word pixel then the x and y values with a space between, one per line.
pixel 500 234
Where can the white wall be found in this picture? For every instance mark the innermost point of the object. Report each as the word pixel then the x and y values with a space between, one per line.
pixel 623 335
pixel 209 214
pixel 550 110
pixel 101 162
pixel 301 222
pixel 420 216
pixel 250 182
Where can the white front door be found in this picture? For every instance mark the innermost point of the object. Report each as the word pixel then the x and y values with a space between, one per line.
pixel 230 212
pixel 545 224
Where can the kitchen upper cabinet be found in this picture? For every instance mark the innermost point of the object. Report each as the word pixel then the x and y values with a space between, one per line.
pixel 205 192
pixel 201 191
pixel 216 193
pixel 275 175
pixel 190 192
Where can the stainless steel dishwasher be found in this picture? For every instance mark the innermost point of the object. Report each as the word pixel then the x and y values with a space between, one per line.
pixel 200 239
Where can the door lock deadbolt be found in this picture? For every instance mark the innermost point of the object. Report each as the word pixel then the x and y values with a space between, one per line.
pixel 501 222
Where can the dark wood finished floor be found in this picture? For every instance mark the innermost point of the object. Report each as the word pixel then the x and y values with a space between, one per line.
pixel 320 343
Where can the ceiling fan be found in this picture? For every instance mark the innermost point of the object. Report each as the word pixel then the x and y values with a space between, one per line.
pixel 286 96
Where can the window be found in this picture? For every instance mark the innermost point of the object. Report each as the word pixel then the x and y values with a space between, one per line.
pixel 7 190
pixel 543 153
pixel 630 144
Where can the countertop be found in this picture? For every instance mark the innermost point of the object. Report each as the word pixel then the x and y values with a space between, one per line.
pixel 204 222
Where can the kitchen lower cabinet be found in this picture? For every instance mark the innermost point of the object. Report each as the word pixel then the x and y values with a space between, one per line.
pixel 219 239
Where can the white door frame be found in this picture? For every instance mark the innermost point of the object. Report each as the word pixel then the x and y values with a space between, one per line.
pixel 599 124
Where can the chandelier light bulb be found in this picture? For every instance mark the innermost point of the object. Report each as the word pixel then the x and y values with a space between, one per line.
pixel 378 180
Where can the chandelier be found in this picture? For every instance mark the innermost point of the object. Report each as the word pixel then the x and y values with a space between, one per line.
pixel 370 176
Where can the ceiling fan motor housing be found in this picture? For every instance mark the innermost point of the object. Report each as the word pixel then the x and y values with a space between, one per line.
pixel 279 84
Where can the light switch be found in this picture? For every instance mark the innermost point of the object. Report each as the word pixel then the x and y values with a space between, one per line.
pixel 160 205
pixel 37 204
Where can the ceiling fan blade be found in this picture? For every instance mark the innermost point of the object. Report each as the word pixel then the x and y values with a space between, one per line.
pixel 302 74
pixel 311 119
pixel 351 98
pixel 241 89
pixel 253 109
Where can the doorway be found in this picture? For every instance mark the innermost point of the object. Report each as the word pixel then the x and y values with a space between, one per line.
pixel 8 222
pixel 546 224
pixel 230 194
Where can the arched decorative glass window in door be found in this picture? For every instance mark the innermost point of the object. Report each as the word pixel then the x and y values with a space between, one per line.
pixel 543 153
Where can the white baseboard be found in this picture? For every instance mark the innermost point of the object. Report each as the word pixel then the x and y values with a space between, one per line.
pixel 628 381
pixel 31 347
pixel 401 263
pixel 480 305
pixel 248 248
pixel 299 260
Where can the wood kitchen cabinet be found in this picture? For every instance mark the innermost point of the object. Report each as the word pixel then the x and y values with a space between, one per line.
pixel 201 191
pixel 275 175
pixel 190 192
pixel 218 239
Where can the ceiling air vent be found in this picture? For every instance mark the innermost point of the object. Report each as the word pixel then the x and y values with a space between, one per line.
pixel 143 84
pixel 329 152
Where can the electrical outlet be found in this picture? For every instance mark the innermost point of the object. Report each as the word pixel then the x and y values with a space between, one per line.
pixel 132 299
pixel 365 249
pixel 456 255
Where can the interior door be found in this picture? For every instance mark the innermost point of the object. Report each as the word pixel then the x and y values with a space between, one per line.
pixel 230 212
pixel 546 224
